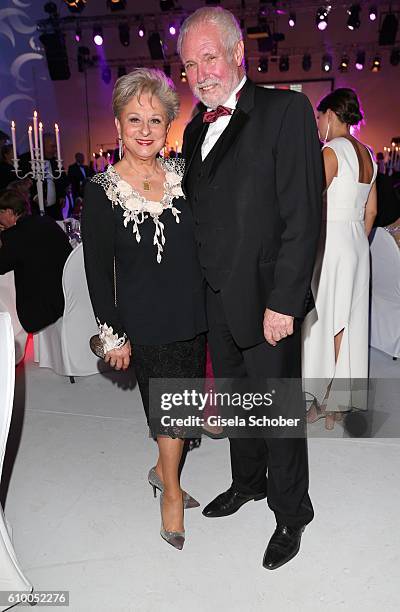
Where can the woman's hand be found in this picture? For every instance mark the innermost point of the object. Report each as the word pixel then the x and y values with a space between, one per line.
pixel 119 358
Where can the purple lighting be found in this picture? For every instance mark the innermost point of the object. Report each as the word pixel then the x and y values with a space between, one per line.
pixel 292 20
pixel 172 30
pixel 372 13
pixel 98 36
pixel 321 18
pixel 360 60
pixel 141 32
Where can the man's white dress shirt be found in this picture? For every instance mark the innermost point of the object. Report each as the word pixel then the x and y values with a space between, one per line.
pixel 215 129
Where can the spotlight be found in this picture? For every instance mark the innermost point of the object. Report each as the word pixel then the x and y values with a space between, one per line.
pixel 141 31
pixel 353 22
pixel 284 63
pixel 360 60
pixel 321 18
pixel 373 14
pixel 387 35
pixel 306 63
pixel 263 65
pixel 155 45
pixel 292 20
pixel 183 74
pixel 326 65
pixel 98 35
pixel 121 71
pixel 83 58
pixel 395 57
pixel 116 5
pixel 172 29
pixel 75 6
pixel 106 74
pixel 376 64
pixel 166 5
pixel 167 69
pixel 78 34
pixel 344 64
pixel 124 36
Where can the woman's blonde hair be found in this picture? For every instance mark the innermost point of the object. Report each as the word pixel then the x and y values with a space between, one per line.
pixel 148 80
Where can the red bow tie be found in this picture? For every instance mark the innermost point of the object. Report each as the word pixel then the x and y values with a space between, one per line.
pixel 220 111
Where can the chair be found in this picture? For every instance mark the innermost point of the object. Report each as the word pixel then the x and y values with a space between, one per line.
pixel 64 345
pixel 11 574
pixel 385 293
pixel 8 304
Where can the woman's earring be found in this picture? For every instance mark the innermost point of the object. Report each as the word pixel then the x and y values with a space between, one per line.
pixel 327 134
pixel 121 149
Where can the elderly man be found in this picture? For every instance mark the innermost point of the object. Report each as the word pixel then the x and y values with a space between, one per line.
pixel 254 179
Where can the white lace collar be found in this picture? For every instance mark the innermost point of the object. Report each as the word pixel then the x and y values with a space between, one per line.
pixel 136 208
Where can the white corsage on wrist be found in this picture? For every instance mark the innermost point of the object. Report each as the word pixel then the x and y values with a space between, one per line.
pixel 110 340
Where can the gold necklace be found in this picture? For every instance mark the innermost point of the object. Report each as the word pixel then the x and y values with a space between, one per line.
pixel 145 177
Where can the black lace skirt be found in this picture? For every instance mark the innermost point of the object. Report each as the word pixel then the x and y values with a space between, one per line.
pixel 183 359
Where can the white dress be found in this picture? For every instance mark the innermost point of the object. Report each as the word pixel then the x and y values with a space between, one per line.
pixel 340 286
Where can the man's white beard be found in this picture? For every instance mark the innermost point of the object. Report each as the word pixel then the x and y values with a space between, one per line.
pixel 222 98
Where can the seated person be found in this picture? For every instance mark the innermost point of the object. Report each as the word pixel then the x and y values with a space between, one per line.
pixel 388 192
pixel 388 188
pixel 36 249
pixel 23 187
pixel 7 172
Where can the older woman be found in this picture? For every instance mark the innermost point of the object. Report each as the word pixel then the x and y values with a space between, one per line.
pixel 142 269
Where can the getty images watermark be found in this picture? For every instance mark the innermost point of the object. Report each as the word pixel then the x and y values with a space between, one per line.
pixel 252 408
pixel 243 408
pixel 201 401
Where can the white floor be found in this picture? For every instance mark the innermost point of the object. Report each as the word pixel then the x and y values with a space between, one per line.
pixel 85 520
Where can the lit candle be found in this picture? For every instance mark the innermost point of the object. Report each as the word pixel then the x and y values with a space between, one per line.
pixel 30 141
pixel 41 149
pixel 14 139
pixel 35 130
pixel 57 129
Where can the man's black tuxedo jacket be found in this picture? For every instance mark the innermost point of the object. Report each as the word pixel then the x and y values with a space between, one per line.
pixel 77 179
pixel 36 248
pixel 257 207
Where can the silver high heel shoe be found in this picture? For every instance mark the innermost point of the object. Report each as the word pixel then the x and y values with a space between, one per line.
pixel 175 538
pixel 156 483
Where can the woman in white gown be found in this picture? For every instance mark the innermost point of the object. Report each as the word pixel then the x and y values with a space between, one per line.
pixel 335 332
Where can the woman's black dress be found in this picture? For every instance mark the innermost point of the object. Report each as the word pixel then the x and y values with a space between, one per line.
pixel 159 285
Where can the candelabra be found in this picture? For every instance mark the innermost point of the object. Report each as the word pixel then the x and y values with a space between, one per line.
pixel 40 167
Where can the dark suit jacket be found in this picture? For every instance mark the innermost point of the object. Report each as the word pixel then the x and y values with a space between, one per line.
pixel 258 209
pixel 36 248
pixel 7 174
pixel 77 179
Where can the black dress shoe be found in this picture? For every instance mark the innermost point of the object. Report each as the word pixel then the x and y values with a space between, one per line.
pixel 229 502
pixel 283 546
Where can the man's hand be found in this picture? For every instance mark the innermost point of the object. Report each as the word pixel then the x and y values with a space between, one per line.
pixel 119 358
pixel 277 326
